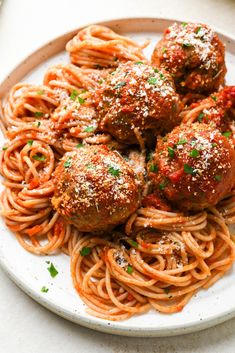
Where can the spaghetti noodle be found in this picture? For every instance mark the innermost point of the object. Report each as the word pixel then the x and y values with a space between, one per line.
pixel 160 258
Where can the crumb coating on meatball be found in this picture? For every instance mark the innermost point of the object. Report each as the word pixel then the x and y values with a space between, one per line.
pixel 137 96
pixel 95 188
pixel 193 166
pixel 194 55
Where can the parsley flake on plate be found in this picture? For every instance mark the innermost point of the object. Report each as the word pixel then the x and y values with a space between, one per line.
pixel 44 289
pixel 52 270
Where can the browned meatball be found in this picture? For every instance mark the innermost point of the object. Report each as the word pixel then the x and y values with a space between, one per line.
pixel 95 189
pixel 137 97
pixel 193 54
pixel 193 166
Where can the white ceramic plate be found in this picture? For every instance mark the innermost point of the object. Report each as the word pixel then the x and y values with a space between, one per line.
pixel 207 308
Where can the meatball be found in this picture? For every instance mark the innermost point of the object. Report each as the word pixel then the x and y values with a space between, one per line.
pixel 137 98
pixel 194 55
pixel 218 110
pixel 95 189
pixel 193 166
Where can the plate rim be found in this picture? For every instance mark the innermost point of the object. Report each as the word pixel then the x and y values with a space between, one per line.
pixel 111 327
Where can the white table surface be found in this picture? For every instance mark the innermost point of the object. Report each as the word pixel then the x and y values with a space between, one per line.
pixel 25 326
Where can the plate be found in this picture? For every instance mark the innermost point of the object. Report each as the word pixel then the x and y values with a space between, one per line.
pixel 29 272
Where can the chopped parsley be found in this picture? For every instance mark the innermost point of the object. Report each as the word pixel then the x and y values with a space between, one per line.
pixel 114 171
pixel 85 251
pixel 164 50
pixel 40 92
pixel 171 152
pixel 200 117
pixel 89 129
pixel 100 82
pixel 186 45
pixel 74 95
pixel 214 144
pixel 129 269
pixel 38 123
pixel 38 114
pixel 134 243
pixel 81 100
pixel 182 142
pixel 139 63
pixel 184 24
pixel 68 163
pixel 227 133
pixel 218 177
pixel 166 290
pixel 198 30
pixel 30 142
pixel 39 157
pixel 194 153
pixel 214 98
pixel 4 148
pixel 79 145
pixel 120 84
pixel 161 76
pixel 150 156
pixel 188 169
pixel 153 168
pixel 156 70
pixel 53 271
pixel 44 289
pixel 152 80
pixel 163 184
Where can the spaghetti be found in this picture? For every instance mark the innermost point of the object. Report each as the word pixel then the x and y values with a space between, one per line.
pixel 160 258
